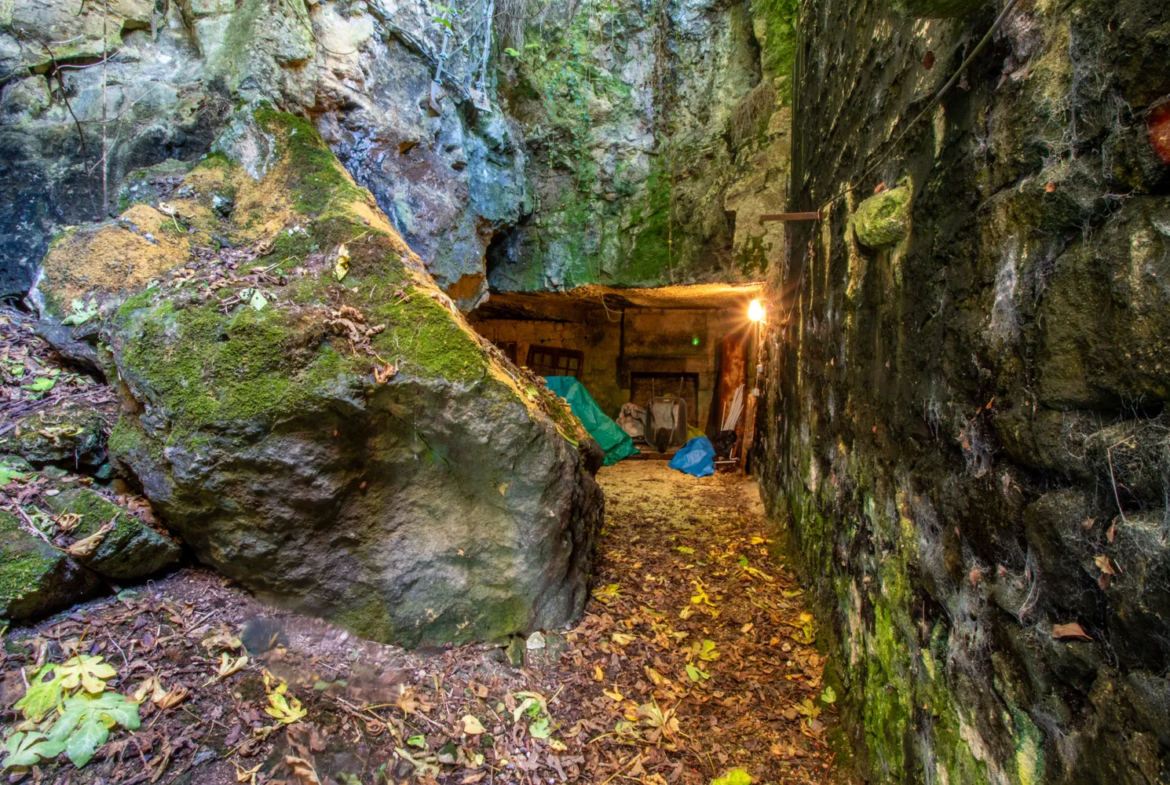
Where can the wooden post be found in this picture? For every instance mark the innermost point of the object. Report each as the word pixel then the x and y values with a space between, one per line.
pixel 813 216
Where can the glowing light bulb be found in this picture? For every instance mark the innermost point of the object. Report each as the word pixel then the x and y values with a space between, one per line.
pixel 755 311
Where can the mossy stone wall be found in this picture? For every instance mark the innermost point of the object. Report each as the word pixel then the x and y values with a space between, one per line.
pixel 963 434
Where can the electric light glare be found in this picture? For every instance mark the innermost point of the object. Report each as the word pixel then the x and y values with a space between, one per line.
pixel 755 311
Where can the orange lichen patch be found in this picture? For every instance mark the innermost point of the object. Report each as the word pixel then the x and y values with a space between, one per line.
pixel 1159 125
pixel 466 287
pixel 114 257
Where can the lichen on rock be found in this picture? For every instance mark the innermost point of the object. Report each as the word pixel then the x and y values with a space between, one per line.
pixel 884 218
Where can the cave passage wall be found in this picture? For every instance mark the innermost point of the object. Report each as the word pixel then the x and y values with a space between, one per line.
pixel 627 143
pixel 964 426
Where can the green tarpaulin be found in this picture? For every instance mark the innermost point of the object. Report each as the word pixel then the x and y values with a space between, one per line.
pixel 616 442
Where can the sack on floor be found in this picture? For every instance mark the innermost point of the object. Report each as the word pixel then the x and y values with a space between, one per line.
pixel 696 457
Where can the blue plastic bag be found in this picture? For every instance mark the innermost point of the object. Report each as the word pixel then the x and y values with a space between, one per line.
pixel 696 457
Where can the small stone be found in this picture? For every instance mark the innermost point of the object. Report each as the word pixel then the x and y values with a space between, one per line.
pixel 535 641
pixel 516 651
pixel 883 219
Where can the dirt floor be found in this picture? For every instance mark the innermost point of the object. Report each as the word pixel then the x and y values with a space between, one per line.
pixel 695 657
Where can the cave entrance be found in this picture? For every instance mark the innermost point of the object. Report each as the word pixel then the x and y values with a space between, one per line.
pixel 639 349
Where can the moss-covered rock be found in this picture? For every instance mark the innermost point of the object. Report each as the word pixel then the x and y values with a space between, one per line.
pixel 346 446
pixel 36 579
pixel 127 551
pixel 883 219
pixel 67 433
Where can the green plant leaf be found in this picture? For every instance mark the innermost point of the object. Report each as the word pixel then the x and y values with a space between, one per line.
pixel 9 473
pixel 419 741
pixel 41 384
pixel 685 549
pixel 90 672
pixel 27 749
pixel 85 722
pixel 734 777
pixel 707 652
pixel 829 695
pixel 697 674
pixel 43 694
pixel 81 314
pixel 511 52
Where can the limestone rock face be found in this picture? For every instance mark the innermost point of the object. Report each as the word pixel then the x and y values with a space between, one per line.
pixel 317 420
pixel 570 159
pixel 176 70
pixel 68 434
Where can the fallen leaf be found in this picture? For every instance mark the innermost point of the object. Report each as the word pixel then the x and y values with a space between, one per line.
pixel 471 725
pixel 88 546
pixel 734 776
pixel 90 672
pixel 341 267
pixel 1072 630
pixel 1105 565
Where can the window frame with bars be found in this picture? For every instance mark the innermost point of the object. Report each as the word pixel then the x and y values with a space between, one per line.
pixel 565 362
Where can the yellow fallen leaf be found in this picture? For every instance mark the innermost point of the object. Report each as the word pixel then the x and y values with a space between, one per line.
pixel 86 547
pixel 471 725
pixel 247 775
pixel 598 673
pixel 228 665
pixel 170 699
pixel 622 639
pixel 615 694
pixel 341 267
pixel 285 709
pixel 90 672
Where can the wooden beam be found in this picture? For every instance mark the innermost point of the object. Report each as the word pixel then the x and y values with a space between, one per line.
pixel 814 216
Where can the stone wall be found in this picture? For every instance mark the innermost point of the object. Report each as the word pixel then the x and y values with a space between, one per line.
pixel 963 431
pixel 674 340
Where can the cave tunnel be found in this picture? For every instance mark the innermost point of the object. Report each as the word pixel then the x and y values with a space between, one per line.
pixel 628 347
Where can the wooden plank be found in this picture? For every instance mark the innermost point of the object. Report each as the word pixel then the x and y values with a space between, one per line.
pixel 814 216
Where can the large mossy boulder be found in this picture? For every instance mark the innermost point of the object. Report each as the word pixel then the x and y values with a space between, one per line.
pixel 315 418
pixel 37 579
